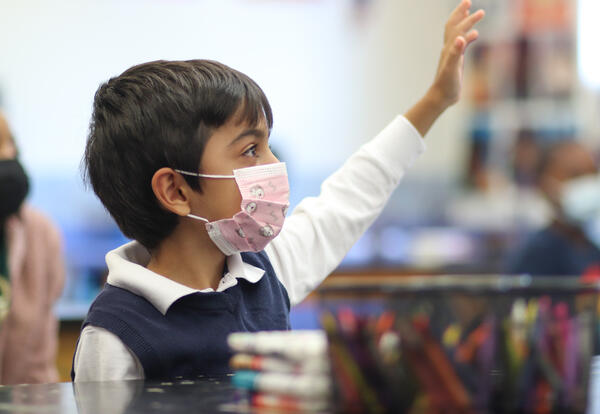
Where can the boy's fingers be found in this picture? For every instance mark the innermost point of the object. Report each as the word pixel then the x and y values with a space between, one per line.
pixel 460 12
pixel 459 47
pixel 470 21
pixel 472 36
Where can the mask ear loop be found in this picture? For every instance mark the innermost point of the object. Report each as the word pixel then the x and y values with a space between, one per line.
pixel 197 218
pixel 204 176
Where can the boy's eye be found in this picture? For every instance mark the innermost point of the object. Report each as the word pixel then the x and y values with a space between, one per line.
pixel 250 152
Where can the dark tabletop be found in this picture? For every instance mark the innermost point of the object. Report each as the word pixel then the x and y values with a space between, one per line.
pixel 206 395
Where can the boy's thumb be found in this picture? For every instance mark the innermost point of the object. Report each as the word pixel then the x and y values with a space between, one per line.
pixel 457 49
pixel 459 45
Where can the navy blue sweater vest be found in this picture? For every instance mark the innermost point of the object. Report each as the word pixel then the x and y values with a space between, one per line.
pixel 191 338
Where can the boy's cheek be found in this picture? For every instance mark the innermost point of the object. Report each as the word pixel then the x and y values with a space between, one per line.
pixel 225 199
pixel 234 206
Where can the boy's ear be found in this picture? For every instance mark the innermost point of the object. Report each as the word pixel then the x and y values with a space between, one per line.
pixel 171 191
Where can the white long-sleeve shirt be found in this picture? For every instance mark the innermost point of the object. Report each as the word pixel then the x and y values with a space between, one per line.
pixel 313 241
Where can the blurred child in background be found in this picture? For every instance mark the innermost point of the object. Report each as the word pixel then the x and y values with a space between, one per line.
pixel 566 247
pixel 31 277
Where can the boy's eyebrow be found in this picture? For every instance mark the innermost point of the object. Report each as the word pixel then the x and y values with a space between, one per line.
pixel 258 133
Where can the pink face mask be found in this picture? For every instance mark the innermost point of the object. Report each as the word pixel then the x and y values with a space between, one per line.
pixel 265 200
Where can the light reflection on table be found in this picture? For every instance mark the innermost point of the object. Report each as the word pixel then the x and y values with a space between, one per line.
pixel 205 395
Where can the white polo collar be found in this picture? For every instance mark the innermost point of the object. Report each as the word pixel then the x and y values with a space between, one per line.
pixel 127 270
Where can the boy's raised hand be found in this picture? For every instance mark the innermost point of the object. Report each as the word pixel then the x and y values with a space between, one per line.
pixel 446 87
pixel 458 34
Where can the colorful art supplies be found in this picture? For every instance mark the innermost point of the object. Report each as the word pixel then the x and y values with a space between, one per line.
pixel 462 344
pixel 285 371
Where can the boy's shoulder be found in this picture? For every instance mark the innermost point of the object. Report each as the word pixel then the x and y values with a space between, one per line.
pixel 117 302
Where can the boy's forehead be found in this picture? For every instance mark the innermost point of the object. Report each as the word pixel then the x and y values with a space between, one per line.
pixel 239 123
pixel 243 117
pixel 260 125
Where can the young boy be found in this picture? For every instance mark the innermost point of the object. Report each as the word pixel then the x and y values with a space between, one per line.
pixel 178 154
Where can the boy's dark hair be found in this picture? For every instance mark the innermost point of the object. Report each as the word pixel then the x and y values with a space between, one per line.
pixel 154 115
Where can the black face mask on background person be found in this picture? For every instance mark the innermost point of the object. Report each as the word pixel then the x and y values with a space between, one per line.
pixel 14 186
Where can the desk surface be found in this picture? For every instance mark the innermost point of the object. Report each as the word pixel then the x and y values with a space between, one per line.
pixel 207 395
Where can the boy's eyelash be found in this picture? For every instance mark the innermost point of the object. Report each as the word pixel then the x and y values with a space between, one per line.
pixel 253 150
pixel 249 150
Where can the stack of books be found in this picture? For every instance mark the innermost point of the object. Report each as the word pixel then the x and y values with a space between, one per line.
pixel 283 370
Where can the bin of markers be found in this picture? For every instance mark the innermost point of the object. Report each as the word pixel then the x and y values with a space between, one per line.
pixel 460 344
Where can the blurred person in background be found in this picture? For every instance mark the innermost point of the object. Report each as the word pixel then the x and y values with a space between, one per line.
pixel 31 277
pixel 566 246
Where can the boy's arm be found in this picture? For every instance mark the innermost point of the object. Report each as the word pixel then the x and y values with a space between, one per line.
pixel 321 230
pixel 102 356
